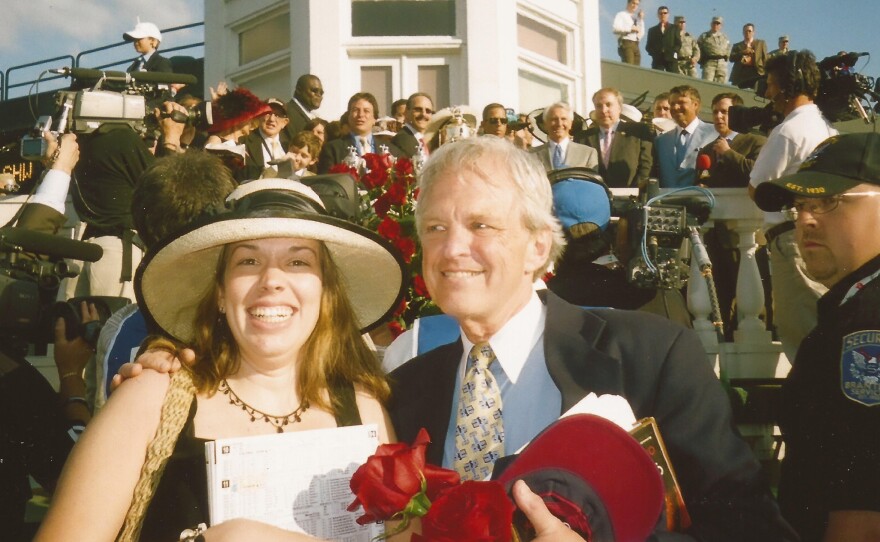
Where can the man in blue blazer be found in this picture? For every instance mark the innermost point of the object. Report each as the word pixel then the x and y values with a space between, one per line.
pixel 487 232
pixel 676 150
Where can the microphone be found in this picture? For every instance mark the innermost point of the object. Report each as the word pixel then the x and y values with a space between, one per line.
pixel 147 77
pixel 50 245
pixel 704 164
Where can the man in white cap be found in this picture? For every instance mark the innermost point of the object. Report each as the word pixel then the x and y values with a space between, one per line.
pixel 146 38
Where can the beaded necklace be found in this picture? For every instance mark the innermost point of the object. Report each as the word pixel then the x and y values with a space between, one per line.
pixel 278 421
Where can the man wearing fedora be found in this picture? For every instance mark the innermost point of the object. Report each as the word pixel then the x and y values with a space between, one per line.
pixel 560 151
pixel 146 38
pixel 830 412
pixel 625 148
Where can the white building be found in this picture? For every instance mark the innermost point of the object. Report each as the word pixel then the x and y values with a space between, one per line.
pixel 524 54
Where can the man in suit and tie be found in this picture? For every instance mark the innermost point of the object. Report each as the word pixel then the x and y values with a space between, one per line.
pixel 363 110
pixel 146 38
pixel 560 151
pixel 676 150
pixel 487 231
pixel 419 110
pixel 664 41
pixel 625 156
pixel 307 97
pixel 748 58
pixel 268 143
pixel 733 154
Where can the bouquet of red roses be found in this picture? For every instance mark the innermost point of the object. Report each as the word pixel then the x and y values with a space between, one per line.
pixel 388 197
pixel 397 484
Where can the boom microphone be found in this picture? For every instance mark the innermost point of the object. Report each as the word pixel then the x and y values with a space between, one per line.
pixel 50 245
pixel 166 78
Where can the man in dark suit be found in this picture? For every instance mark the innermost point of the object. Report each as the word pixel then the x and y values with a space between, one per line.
pixel 625 161
pixel 307 96
pixel 487 232
pixel 146 38
pixel 733 154
pixel 663 43
pixel 269 142
pixel 363 110
pixel 560 152
pixel 419 110
pixel 748 58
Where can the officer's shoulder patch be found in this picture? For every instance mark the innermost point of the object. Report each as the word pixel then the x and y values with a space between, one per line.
pixel 860 367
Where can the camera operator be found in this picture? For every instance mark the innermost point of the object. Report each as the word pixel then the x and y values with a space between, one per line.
pixel 792 85
pixel 44 212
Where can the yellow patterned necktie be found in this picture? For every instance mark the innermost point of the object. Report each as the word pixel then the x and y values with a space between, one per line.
pixel 479 429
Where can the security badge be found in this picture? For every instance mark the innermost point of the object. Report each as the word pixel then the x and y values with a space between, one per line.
pixel 860 367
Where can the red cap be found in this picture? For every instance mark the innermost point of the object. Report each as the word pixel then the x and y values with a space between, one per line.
pixel 606 473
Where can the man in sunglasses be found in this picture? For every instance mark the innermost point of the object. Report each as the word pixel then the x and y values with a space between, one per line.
pixel 830 413
pixel 494 120
pixel 411 137
pixel 307 97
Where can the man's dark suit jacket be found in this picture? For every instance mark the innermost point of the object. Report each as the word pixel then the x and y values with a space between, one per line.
pixel 662 47
pixel 733 168
pixel 747 76
pixel 297 120
pixel 631 154
pixel 253 145
pixel 406 141
pixel 156 63
pixel 662 370
pixel 334 152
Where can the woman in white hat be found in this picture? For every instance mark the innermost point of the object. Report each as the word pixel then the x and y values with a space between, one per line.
pixel 273 297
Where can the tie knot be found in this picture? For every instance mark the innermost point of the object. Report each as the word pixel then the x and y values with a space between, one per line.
pixel 482 355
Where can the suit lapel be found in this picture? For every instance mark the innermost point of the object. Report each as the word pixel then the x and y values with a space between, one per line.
pixel 575 365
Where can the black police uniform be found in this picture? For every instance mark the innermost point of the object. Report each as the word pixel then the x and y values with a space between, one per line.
pixel 830 415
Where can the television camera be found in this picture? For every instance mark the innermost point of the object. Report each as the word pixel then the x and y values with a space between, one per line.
pixel 844 94
pixel 111 97
pixel 29 284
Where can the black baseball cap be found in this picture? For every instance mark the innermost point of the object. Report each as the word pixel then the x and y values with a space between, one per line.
pixel 838 164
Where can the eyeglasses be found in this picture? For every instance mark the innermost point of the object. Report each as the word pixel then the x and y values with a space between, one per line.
pixel 820 206
pixel 426 110
pixel 497 120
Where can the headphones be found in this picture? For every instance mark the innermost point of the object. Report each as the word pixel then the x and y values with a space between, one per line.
pixel 796 84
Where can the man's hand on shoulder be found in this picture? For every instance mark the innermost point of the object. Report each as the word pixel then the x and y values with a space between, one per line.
pixel 161 361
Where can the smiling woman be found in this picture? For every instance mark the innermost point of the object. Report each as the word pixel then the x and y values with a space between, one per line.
pixel 272 297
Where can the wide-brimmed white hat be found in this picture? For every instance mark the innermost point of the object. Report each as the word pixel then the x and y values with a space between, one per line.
pixel 174 278
pixel 143 30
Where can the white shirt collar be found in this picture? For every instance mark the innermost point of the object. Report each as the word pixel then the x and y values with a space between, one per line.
pixel 304 110
pixel 418 135
pixel 563 144
pixel 691 128
pixel 613 129
pixel 513 342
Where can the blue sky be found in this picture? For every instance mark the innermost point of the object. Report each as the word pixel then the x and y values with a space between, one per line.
pixel 32 30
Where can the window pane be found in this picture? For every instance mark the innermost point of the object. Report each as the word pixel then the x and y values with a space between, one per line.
pixel 434 80
pixel 536 92
pixel 265 38
pixel 403 18
pixel 541 39
pixel 377 81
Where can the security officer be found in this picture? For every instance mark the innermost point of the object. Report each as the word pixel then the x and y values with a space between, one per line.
pixel 689 52
pixel 830 415
pixel 714 52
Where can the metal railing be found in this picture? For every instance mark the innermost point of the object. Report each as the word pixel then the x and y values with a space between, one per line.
pixel 7 82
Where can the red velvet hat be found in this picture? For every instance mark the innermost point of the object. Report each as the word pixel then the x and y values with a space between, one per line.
pixel 234 107
pixel 593 475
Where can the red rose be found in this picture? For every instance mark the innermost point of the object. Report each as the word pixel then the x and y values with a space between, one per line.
pixel 395 328
pixel 386 484
pixel 404 168
pixel 401 307
pixel 372 161
pixel 342 168
pixel 382 205
pixel 471 512
pixel 386 161
pixel 407 248
pixel 375 178
pixel 397 193
pixel 419 286
pixel 389 228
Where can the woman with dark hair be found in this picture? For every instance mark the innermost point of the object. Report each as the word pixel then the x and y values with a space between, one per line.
pixel 273 297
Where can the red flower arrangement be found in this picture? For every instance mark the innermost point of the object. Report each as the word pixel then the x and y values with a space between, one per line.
pixel 397 484
pixel 388 197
